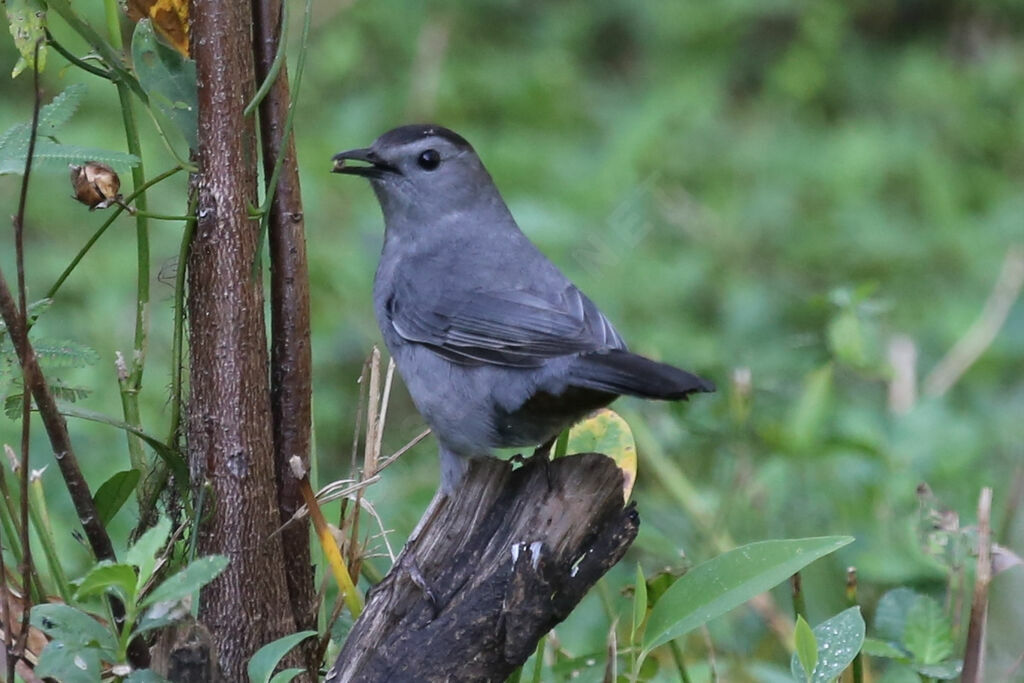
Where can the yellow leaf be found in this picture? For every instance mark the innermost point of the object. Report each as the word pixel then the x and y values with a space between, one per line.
pixel 606 432
pixel 170 17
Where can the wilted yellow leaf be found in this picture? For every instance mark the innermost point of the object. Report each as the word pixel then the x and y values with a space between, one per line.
pixel 170 17
pixel 606 432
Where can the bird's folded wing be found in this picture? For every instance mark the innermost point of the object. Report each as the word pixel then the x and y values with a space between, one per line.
pixel 515 328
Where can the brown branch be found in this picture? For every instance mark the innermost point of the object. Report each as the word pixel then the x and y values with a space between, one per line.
pixel 491 570
pixel 983 331
pixel 229 424
pixel 974 654
pixel 25 565
pixel 290 357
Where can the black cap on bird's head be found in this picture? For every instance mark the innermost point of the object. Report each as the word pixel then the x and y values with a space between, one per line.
pixel 425 145
pixel 420 170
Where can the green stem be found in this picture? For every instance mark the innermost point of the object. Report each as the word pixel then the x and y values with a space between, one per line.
pixel 80 63
pixel 275 66
pixel 131 381
pixel 41 522
pixel 164 216
pixel 103 228
pixel 677 656
pixel 285 133
pixel 111 56
pixel 160 469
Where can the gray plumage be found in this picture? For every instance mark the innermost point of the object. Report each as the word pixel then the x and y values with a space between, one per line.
pixel 496 346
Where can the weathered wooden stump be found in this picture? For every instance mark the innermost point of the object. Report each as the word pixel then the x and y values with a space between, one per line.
pixel 491 570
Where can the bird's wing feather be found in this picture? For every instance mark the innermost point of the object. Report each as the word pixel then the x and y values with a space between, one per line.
pixel 517 327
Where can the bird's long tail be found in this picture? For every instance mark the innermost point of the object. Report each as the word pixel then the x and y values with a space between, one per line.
pixel 622 372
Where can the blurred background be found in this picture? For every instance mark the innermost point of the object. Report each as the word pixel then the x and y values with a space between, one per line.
pixel 812 203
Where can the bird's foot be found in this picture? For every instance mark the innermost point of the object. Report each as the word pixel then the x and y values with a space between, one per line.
pixel 420 581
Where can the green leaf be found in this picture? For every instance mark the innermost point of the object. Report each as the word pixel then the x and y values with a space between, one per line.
pixel 169 79
pixel 188 580
pixel 891 613
pixel 61 392
pixel 143 552
pixel 64 354
pixel 846 339
pixel 52 154
pixel 145 676
pixel 266 659
pixel 114 493
pixel 606 432
pixel 69 664
pixel 806 656
pixel 108 576
pixel 73 627
pixel 928 634
pixel 286 675
pixel 945 671
pixel 808 416
pixel 837 642
pixel 880 648
pixel 639 603
pixel 170 456
pixel 727 581
pixel 27 19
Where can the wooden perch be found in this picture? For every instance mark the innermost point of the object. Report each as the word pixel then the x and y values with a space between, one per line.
pixel 490 570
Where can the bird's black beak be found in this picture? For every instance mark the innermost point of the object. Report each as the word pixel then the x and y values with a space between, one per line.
pixel 376 168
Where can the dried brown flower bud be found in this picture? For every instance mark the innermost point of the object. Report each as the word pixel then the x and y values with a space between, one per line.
pixel 96 185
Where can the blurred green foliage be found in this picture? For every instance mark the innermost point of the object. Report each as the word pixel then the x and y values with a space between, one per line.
pixel 765 192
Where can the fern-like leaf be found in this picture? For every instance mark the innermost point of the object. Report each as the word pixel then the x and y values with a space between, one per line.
pixel 14 141
pixel 61 392
pixel 64 354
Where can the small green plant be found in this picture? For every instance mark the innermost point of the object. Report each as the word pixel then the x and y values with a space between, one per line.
pixel 914 631
pixel 84 643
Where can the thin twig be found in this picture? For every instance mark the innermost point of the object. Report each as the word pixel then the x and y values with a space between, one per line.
pixel 984 330
pixel 25 566
pixel 974 653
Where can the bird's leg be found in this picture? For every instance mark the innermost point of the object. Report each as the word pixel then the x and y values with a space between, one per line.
pixel 543 454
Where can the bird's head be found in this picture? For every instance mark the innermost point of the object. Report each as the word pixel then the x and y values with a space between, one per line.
pixel 420 172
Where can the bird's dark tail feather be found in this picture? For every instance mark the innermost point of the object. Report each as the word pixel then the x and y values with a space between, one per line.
pixel 622 372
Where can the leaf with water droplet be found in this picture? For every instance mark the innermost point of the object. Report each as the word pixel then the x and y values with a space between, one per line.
pixel 727 581
pixel 839 640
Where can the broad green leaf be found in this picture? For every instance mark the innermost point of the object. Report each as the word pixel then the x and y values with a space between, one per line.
pixel 168 78
pixel 806 656
pixel 68 664
pixel 107 576
pixel 808 416
pixel 891 613
pixel 114 493
pixel 143 552
pixel 838 640
pixel 606 432
pixel 639 603
pixel 727 581
pixel 928 634
pixel 188 580
pixel 73 627
pixel 27 19
pixel 266 659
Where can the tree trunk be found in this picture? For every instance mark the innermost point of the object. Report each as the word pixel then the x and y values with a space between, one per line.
pixel 491 570
pixel 291 360
pixel 229 424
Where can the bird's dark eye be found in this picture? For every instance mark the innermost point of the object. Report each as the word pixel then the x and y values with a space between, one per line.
pixel 429 159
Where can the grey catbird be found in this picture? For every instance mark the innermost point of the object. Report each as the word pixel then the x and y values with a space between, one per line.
pixel 496 346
